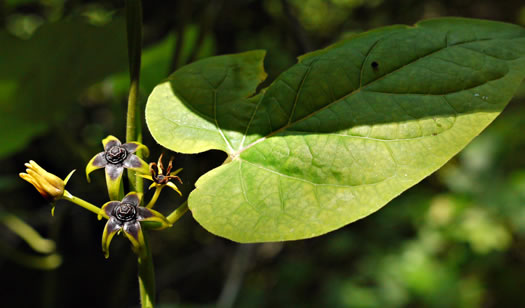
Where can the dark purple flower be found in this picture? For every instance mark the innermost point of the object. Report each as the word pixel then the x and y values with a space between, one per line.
pixel 114 159
pixel 126 215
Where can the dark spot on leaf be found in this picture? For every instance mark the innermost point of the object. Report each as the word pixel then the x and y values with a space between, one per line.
pixel 375 65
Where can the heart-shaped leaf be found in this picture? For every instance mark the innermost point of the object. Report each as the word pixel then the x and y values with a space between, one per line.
pixel 339 134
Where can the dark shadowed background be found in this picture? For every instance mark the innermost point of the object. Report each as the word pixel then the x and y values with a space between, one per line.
pixel 457 239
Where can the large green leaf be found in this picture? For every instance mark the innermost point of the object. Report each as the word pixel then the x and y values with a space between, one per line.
pixel 342 132
pixel 41 78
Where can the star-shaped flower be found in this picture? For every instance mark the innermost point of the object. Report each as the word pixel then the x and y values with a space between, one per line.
pixel 114 159
pixel 126 216
pixel 162 176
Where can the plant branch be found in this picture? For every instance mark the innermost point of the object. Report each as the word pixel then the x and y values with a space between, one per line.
pixel 175 215
pixel 146 277
pixel 146 272
pixel 88 206
pixel 133 121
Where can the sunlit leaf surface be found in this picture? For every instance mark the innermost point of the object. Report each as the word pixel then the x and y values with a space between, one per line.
pixel 341 133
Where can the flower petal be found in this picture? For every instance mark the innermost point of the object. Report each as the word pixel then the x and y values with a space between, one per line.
pixel 110 141
pixel 133 232
pixel 98 161
pixel 176 171
pixel 150 215
pixel 69 176
pixel 136 164
pixel 174 187
pixel 33 165
pixel 132 198
pixel 107 209
pixel 145 176
pixel 114 171
pixel 133 147
pixel 37 185
pixel 45 188
pixel 49 178
pixel 160 164
pixel 113 179
pixel 112 226
pixel 154 169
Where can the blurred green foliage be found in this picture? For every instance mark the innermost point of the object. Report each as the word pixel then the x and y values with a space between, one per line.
pixel 455 240
pixel 41 77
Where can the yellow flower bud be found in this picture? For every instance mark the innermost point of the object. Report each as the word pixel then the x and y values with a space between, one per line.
pixel 50 186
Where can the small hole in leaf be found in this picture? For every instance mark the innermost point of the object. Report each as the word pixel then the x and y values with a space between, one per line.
pixel 375 65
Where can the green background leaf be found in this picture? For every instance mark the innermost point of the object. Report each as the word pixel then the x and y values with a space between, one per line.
pixel 156 60
pixel 339 134
pixel 41 78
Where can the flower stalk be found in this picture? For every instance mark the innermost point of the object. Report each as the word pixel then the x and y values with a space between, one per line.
pixel 154 198
pixel 76 200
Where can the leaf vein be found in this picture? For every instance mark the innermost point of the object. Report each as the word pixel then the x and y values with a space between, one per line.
pixel 286 126
pixel 364 61
pixel 312 183
pixel 298 92
pixel 217 122
pixel 243 189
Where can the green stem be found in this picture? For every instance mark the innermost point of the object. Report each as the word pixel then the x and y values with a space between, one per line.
pixel 88 206
pixel 175 215
pixel 146 277
pixel 156 195
pixel 133 121
pixel 146 271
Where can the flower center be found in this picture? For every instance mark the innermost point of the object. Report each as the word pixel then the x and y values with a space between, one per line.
pixel 116 154
pixel 126 212
pixel 161 179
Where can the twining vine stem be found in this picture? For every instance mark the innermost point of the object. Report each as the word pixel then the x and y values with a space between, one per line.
pixel 146 273
pixel 133 121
